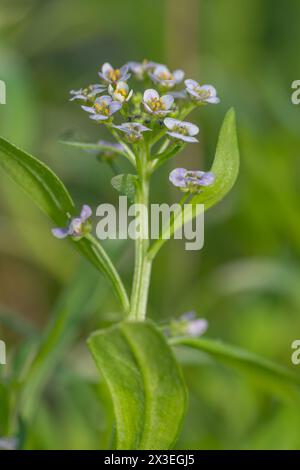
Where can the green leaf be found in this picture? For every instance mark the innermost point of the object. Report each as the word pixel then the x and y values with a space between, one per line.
pixel 38 181
pixel 225 168
pixel 126 185
pixel 274 378
pixel 146 385
pixel 50 194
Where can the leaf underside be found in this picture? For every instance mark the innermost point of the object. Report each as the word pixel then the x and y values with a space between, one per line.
pixel 146 385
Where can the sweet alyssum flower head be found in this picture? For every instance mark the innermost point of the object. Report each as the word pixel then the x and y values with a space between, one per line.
pixel 188 325
pixel 162 76
pixel 202 94
pixel 78 226
pixel 181 130
pixel 111 75
pixel 193 326
pixel 191 180
pixel 120 92
pixel 103 108
pixel 133 131
pixel 154 104
pixel 88 93
pixel 141 69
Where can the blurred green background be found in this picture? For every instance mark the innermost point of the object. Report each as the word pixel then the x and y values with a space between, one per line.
pixel 246 279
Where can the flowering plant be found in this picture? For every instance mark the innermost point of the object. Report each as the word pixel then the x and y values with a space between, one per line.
pixel 134 356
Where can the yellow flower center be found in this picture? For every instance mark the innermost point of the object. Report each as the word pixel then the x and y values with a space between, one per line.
pixel 180 130
pixel 156 104
pixel 165 75
pixel 122 91
pixel 102 108
pixel 203 93
pixel 114 75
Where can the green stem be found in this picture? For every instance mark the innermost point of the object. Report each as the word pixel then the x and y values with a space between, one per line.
pixel 142 270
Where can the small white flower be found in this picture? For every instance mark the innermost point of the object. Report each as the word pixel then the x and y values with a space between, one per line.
pixel 103 108
pixel 88 93
pixel 141 69
pixel 120 92
pixel 162 76
pixel 181 130
pixel 202 94
pixel 154 104
pixel 111 75
pixel 133 131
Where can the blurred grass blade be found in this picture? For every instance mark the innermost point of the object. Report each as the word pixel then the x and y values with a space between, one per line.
pixel 37 180
pixel 50 194
pixel 271 376
pixel 225 168
pixel 98 147
pixel 72 307
pixel 145 383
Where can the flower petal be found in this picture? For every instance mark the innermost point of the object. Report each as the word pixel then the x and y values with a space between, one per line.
pixel 191 83
pixel 106 68
pixel 150 94
pixel 104 99
pixel 167 101
pixel 88 109
pixel 170 123
pixel 114 106
pixel 197 327
pixel 191 128
pixel 178 75
pixel 86 212
pixel 210 89
pixel 124 70
pixel 185 138
pixel 213 100
pixel 177 177
pixel 207 179
pixel 99 117
pixel 60 232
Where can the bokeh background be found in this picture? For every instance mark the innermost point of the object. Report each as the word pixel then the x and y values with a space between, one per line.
pixel 246 279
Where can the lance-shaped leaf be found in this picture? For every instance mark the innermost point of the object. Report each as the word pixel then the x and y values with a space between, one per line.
pixel 37 180
pixel 225 168
pixel 49 193
pixel 274 378
pixel 146 385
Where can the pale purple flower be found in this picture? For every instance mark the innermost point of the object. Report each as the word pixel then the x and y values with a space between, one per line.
pixel 111 75
pixel 162 76
pixel 201 94
pixel 193 326
pixel 103 108
pixel 78 227
pixel 181 130
pixel 120 92
pixel 141 69
pixel 190 180
pixel 133 131
pixel 88 93
pixel 154 104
